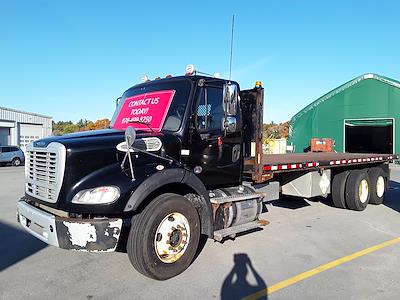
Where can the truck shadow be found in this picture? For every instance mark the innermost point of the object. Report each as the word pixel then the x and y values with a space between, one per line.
pixel 289 202
pixel 16 245
pixel 327 201
pixel 236 284
pixel 393 196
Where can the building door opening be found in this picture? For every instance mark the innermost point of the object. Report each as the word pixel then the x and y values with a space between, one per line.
pixel 4 136
pixel 369 136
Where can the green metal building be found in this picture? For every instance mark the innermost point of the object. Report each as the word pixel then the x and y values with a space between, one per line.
pixel 362 115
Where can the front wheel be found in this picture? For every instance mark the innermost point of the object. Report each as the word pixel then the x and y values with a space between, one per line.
pixel 164 237
pixel 16 162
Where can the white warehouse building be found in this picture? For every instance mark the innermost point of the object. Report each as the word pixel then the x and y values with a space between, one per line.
pixel 19 128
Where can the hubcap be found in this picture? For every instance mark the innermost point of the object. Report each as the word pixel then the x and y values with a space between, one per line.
pixel 172 237
pixel 380 186
pixel 363 190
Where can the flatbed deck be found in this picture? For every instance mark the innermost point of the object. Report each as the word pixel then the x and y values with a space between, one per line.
pixel 281 162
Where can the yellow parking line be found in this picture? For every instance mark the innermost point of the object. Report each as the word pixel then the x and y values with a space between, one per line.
pixel 322 268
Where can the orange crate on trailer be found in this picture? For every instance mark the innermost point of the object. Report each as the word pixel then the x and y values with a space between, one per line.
pixel 322 145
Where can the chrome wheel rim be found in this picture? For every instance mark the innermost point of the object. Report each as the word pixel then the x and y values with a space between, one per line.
pixel 363 190
pixel 380 186
pixel 172 237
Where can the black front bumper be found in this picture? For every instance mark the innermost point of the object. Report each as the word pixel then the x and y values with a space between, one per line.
pixel 93 235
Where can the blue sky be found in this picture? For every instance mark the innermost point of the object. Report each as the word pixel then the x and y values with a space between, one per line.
pixel 72 59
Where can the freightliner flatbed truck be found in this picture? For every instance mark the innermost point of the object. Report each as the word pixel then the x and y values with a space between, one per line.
pixel 183 159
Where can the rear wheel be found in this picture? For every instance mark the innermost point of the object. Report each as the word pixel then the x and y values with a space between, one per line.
pixel 16 162
pixel 378 182
pixel 339 189
pixel 164 237
pixel 357 190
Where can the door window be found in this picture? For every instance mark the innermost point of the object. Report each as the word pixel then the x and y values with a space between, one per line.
pixel 209 112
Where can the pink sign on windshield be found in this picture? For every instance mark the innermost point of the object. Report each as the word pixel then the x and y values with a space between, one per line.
pixel 150 108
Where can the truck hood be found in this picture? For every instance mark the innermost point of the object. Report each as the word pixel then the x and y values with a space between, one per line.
pixel 92 134
pixel 92 159
pixel 100 140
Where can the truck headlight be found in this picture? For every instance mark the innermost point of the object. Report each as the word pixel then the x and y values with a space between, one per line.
pixel 99 195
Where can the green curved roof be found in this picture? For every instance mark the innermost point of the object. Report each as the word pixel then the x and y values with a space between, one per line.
pixel 343 87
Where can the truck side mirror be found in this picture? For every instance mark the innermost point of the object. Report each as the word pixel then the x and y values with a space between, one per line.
pixel 230 124
pixel 130 136
pixel 230 97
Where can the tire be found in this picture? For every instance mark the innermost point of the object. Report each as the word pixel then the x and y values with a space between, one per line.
pixel 16 162
pixel 153 229
pixel 378 183
pixel 357 190
pixel 339 189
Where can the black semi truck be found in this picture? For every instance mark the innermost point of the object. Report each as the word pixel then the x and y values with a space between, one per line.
pixel 183 159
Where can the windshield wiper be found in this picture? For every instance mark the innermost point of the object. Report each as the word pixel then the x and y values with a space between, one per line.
pixel 144 123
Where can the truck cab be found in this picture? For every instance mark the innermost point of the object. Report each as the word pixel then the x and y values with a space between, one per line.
pixel 85 190
pixel 197 120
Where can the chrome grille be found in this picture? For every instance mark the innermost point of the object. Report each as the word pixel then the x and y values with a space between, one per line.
pixel 44 171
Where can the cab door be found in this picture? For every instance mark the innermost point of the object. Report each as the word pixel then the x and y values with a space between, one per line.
pixel 216 153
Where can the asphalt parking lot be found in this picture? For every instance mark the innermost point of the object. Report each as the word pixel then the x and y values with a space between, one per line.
pixel 302 235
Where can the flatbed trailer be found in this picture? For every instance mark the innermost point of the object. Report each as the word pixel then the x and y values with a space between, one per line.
pixel 322 173
pixel 260 167
pixel 279 163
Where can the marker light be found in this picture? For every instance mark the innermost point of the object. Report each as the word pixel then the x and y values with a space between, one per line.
pixel 190 70
pixel 144 79
pixel 99 195
pixel 258 84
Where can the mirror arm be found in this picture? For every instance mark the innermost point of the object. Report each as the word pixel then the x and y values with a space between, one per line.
pixel 131 165
pixel 130 135
pixel 225 123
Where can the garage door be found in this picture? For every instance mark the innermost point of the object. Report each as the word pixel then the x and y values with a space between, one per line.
pixel 29 133
pixel 369 136
pixel 4 136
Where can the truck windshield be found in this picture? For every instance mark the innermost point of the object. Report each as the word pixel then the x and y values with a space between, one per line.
pixel 160 106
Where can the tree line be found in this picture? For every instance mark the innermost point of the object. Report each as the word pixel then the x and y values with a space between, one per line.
pixel 270 131
pixel 64 127
pixel 275 131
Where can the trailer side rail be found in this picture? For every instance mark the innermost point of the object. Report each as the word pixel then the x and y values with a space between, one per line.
pixel 329 163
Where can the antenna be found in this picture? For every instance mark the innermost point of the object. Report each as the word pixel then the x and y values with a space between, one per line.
pixel 230 63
